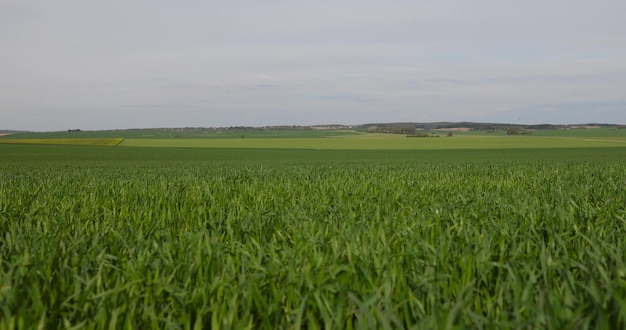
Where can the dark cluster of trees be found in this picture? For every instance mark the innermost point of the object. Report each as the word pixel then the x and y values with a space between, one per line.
pixel 417 135
pixel 518 131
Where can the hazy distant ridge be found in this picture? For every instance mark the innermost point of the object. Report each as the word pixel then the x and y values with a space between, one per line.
pixel 481 126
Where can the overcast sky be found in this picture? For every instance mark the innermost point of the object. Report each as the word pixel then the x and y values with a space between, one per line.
pixel 156 63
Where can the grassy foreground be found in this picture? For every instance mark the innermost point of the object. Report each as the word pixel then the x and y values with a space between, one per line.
pixel 277 238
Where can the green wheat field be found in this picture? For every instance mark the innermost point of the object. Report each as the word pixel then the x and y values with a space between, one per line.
pixel 321 230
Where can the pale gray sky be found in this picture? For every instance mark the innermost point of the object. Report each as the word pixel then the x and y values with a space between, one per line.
pixel 157 63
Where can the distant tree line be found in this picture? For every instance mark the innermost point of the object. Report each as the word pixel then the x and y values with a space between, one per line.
pixel 518 131
pixel 411 127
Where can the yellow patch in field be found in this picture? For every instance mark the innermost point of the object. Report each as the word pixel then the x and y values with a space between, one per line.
pixel 85 142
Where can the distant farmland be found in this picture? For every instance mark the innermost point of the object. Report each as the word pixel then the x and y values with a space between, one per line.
pixel 386 142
